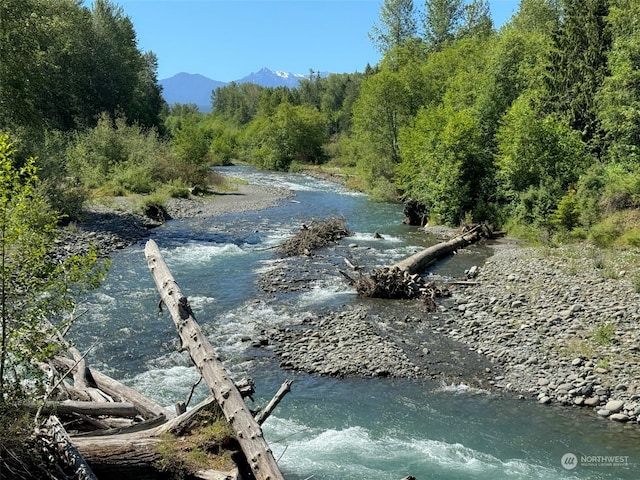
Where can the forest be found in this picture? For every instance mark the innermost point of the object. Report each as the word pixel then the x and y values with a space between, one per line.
pixel 532 126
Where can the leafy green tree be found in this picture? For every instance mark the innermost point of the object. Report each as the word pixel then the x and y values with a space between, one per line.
pixel 292 134
pixel 237 102
pixel 62 64
pixel 446 157
pixel 441 21
pixel 37 291
pixel 539 159
pixel 388 101
pixel 378 116
pixel 397 25
pixel 191 141
pixel 476 19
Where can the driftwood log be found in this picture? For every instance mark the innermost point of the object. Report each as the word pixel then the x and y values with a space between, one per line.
pixel 119 392
pixel 142 454
pixel 67 451
pixel 402 280
pixel 248 431
pixel 316 235
pixel 418 262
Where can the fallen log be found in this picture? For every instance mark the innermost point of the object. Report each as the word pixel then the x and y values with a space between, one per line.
pixel 120 392
pixel 418 262
pixel 111 409
pixel 161 452
pixel 248 432
pixel 67 451
pixel 402 280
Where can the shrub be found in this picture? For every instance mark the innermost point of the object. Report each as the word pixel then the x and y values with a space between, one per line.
pixel 154 206
pixel 178 189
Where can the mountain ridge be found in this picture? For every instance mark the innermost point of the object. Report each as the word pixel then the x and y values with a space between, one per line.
pixel 196 88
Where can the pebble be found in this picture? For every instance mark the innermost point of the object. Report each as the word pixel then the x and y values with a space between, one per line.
pixel 614 405
pixel 541 310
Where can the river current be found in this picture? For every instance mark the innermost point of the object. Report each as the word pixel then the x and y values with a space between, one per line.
pixel 328 428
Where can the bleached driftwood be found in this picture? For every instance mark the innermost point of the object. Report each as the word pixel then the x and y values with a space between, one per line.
pixel 248 431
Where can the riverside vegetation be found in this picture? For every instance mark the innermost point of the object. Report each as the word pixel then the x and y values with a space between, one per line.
pixel 531 127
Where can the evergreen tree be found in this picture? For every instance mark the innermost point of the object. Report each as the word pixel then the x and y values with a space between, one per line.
pixel 619 98
pixel 579 66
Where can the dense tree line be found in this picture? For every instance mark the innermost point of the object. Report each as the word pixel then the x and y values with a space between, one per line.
pixel 534 125
pixel 77 94
pixel 63 64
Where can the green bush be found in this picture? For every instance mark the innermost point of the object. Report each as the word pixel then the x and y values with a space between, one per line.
pixel 567 215
pixel 115 153
pixel 604 334
pixel 178 189
pixel 134 178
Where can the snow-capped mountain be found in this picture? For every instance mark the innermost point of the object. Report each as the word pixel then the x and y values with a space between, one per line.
pixel 270 78
pixel 195 88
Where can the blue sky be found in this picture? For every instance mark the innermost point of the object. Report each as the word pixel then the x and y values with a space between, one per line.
pixel 228 39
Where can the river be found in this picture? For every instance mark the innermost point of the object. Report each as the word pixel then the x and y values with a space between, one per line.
pixel 329 428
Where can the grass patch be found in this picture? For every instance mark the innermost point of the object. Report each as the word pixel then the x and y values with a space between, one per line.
pixel 603 334
pixel 210 444
pixel 577 347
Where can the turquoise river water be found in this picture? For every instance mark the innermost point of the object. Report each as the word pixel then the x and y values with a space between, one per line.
pixel 328 428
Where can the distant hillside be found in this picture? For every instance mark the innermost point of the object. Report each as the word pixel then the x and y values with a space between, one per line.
pixel 189 88
pixel 196 88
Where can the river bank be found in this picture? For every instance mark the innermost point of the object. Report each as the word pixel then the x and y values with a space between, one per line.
pixel 113 224
pixel 552 325
pixel 561 324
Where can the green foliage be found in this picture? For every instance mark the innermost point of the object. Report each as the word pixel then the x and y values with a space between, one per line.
pixel 537 151
pixel 567 215
pixel 618 100
pixel 178 189
pixel 397 25
pixel 117 154
pixel 237 102
pixel 442 19
pixel 604 334
pixel 292 133
pixel 37 290
pixel 62 64
pixel 579 66
pixel 191 142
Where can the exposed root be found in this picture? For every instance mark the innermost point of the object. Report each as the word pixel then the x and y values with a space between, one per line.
pixel 395 283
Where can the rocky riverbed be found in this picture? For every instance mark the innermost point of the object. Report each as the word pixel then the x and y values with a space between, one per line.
pixel 560 324
pixel 556 325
